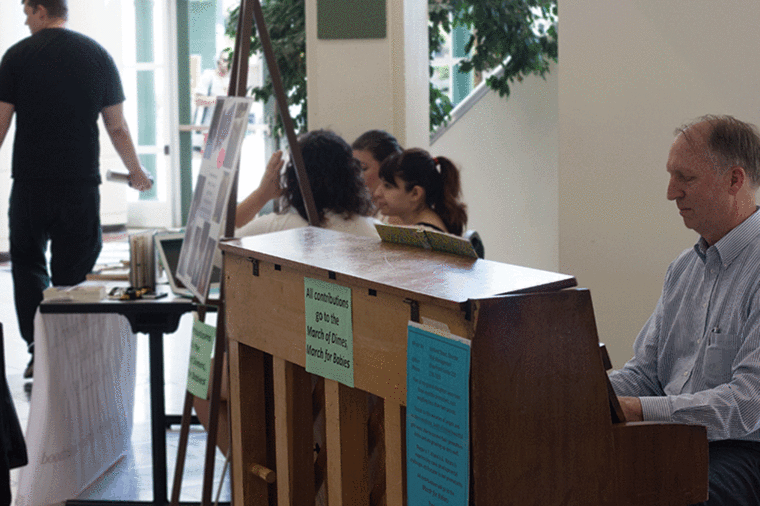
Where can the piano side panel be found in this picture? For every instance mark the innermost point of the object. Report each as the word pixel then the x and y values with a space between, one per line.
pixel 541 429
pixel 664 464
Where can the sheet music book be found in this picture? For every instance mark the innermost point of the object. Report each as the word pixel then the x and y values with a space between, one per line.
pixel 426 238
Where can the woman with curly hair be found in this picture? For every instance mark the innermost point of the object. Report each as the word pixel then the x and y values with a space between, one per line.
pixel 342 200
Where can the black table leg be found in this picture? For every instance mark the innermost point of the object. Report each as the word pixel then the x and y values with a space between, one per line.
pixel 158 418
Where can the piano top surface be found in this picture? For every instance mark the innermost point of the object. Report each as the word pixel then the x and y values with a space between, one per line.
pixel 369 262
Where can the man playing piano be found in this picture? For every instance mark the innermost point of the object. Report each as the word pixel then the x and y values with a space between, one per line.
pixel 697 359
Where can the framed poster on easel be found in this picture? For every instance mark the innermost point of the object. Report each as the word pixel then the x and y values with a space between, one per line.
pixel 206 222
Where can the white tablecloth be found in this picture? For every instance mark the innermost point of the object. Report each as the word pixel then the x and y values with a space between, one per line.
pixel 80 418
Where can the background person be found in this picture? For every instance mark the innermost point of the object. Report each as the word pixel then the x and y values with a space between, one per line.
pixel 697 359
pixel 213 83
pixel 372 148
pixel 420 190
pixel 342 201
pixel 58 82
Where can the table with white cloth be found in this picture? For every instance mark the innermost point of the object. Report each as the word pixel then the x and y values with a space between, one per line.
pixel 80 418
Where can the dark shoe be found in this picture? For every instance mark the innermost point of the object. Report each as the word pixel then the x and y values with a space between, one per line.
pixel 29 371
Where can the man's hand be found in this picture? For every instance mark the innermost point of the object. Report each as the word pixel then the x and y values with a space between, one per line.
pixel 631 409
pixel 140 180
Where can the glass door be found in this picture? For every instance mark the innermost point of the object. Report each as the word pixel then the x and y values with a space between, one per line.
pixel 148 75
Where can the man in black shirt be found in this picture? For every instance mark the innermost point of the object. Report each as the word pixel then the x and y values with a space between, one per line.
pixel 58 82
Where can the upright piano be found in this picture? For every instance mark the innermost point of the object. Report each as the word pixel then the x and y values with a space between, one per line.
pixel 542 430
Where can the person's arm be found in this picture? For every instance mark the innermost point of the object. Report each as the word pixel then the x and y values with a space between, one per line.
pixel 731 410
pixel 269 188
pixel 6 114
pixel 118 131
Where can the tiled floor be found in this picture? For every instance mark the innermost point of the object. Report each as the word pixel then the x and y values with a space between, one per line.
pixel 131 478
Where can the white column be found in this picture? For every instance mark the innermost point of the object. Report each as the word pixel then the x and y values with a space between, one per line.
pixel 361 84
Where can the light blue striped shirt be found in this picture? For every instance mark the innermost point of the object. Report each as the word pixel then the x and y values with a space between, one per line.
pixel 697 359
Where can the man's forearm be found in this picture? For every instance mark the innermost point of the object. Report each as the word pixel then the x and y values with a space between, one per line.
pixel 6 114
pixel 122 141
pixel 118 131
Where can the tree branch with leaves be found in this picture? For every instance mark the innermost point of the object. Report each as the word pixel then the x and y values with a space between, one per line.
pixel 519 34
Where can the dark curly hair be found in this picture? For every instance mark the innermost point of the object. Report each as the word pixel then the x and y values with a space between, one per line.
pixel 442 189
pixel 334 174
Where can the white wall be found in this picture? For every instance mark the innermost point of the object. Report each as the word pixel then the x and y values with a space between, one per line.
pixel 507 153
pixel 631 71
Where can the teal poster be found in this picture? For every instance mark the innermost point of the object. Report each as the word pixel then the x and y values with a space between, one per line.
pixel 329 332
pixel 437 418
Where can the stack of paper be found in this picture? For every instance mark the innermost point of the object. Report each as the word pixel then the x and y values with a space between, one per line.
pixel 142 264
pixel 86 291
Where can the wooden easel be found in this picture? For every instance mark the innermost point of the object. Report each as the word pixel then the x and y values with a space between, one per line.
pixel 249 10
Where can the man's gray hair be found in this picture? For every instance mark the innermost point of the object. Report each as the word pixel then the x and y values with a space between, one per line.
pixel 729 142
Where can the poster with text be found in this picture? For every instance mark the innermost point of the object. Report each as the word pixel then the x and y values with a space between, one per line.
pixel 437 418
pixel 329 331
pixel 200 254
pixel 199 368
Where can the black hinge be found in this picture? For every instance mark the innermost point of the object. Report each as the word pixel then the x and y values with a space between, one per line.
pixel 414 310
pixel 255 266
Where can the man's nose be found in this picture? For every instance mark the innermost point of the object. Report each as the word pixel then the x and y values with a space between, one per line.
pixel 674 189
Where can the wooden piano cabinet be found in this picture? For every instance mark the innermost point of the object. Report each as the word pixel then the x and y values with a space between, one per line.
pixel 541 431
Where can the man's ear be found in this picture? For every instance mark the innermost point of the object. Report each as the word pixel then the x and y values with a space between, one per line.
pixel 738 179
pixel 40 10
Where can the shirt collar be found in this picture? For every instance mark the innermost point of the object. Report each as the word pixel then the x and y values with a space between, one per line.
pixel 731 244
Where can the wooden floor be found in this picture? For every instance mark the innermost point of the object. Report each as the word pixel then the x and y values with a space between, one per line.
pixel 131 478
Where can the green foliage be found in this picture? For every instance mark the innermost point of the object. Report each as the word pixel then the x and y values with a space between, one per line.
pixel 501 29
pixel 287 29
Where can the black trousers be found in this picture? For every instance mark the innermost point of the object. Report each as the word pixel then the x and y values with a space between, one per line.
pixel 734 474
pixel 68 217
pixel 5 484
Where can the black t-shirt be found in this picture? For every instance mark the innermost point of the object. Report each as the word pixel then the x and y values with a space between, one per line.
pixel 58 82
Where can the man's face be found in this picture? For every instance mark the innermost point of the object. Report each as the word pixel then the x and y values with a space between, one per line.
pixel 34 17
pixel 698 189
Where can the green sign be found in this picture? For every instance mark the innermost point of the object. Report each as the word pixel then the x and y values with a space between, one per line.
pixel 199 370
pixel 351 19
pixel 329 333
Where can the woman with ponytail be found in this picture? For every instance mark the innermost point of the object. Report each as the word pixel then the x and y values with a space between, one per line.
pixel 421 190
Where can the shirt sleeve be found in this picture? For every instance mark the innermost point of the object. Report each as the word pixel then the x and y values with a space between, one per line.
pixel 7 86
pixel 731 410
pixel 114 92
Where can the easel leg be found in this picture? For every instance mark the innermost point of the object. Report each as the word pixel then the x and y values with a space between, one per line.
pixel 184 433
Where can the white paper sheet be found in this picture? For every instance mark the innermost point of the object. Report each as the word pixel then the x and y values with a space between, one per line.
pixel 80 418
